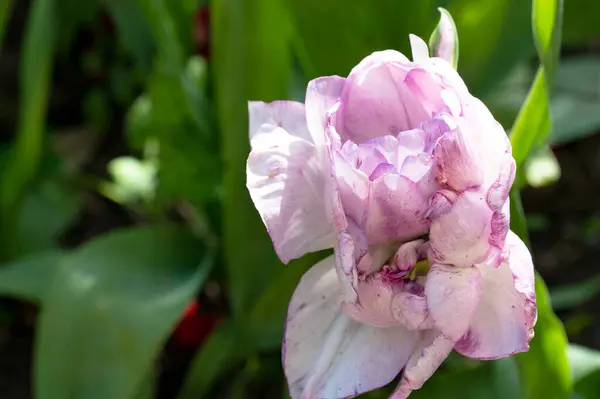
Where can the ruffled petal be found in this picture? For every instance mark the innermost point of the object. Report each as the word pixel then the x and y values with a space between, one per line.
pixel 376 101
pixel 452 296
pixel 461 236
pixel 458 164
pixel 432 350
pixel 328 355
pixel 290 182
pixel 504 320
pixel 396 210
pixel 321 94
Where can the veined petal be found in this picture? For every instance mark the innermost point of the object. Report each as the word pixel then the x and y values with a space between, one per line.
pixel 396 210
pixel 321 94
pixel 444 40
pixel 452 296
pixel 503 322
pixel 376 101
pixel 461 236
pixel 458 165
pixel 432 350
pixel 328 355
pixel 290 182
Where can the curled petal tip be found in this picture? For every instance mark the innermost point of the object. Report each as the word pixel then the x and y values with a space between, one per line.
pixel 443 42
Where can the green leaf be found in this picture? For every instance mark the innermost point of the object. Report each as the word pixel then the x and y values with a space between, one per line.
pixel 533 122
pixel 492 380
pixel 37 228
pixel 134 31
pixel 573 295
pixel 580 24
pixel 251 61
pixel 25 157
pixel 545 368
pixel 495 35
pixel 332 42
pixel 266 320
pixel 588 387
pixel 5 11
pixel 29 278
pixel 109 309
pixel 223 347
pixel 583 361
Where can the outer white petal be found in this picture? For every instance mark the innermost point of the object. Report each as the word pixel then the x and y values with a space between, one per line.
pixel 289 180
pixel 429 354
pixel 503 322
pixel 326 354
pixel 321 94
pixel 452 296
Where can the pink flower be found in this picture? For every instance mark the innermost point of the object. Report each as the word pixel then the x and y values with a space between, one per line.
pixel 406 175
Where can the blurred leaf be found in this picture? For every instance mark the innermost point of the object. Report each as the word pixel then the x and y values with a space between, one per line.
pixel 577 99
pixel 574 103
pixel 266 320
pixel 35 69
pixel 333 36
pixel 73 17
pixel 542 168
pixel 581 21
pixel 5 12
pixel 111 306
pixel 495 35
pixel 133 31
pixel 573 295
pixel 589 386
pixel 45 213
pixel 545 368
pixel 222 347
pixel 251 62
pixel 583 361
pixel 29 278
pixel 533 122
pixel 492 380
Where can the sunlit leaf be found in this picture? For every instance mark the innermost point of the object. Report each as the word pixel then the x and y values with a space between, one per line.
pixel 111 306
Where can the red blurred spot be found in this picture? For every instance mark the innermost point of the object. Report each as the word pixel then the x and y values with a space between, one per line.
pixel 194 326
pixel 202 32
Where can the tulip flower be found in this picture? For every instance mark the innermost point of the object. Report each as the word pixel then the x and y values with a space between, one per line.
pixel 406 175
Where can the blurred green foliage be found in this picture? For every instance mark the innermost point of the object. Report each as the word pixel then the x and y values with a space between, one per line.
pixel 109 306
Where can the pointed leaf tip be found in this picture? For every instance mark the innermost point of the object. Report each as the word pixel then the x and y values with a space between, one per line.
pixel 443 42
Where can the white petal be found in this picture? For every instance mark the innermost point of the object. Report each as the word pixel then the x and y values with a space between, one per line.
pixel 452 296
pixel 289 180
pixel 503 322
pixel 420 52
pixel 328 355
pixel 431 351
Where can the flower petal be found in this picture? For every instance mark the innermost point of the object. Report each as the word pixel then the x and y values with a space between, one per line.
pixel 289 181
pixel 452 296
pixel 376 101
pixel 396 210
pixel 504 319
pixel 321 94
pixel 328 355
pixel 432 350
pixel 458 165
pixel 461 236
pixel 444 40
